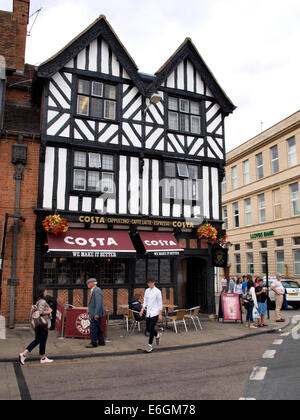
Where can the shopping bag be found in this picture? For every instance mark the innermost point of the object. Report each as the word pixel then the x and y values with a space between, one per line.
pixel 256 314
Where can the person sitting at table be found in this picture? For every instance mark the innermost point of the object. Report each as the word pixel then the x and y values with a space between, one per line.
pixel 136 306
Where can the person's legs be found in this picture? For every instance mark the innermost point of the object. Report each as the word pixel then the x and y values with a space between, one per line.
pixel 94 333
pixel 43 341
pixel 35 342
pixel 153 332
pixel 278 302
pixel 100 335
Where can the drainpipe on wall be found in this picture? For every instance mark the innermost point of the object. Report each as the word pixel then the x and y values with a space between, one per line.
pixel 19 160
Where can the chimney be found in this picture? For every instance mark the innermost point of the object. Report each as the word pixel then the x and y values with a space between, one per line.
pixel 21 19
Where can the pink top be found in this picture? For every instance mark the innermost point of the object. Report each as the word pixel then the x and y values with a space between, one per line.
pixel 277 285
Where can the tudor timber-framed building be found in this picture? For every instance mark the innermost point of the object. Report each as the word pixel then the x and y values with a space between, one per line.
pixel 122 173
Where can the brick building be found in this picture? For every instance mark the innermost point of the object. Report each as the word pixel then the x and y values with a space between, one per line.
pixel 19 151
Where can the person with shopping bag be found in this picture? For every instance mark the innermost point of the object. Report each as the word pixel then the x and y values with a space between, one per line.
pixel 250 303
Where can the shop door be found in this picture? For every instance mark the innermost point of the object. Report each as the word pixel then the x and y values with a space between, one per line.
pixel 196 283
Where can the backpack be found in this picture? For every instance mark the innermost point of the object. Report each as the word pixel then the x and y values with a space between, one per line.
pixel 35 319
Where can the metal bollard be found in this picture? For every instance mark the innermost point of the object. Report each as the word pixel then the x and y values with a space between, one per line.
pixel 107 324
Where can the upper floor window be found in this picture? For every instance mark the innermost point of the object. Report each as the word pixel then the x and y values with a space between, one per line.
pixel 93 172
pixel 292 152
pixel 295 199
pixel 184 115
pixel 181 181
pixel 260 166
pixel 234 177
pixel 246 170
pixel 96 99
pixel 275 159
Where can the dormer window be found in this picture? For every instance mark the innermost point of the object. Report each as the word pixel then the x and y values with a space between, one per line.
pixel 184 115
pixel 96 100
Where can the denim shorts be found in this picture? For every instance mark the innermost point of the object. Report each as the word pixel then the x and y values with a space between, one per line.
pixel 262 308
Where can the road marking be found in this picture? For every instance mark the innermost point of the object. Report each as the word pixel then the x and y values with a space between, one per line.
pixel 277 342
pixel 247 399
pixel 269 354
pixel 258 374
pixel 285 334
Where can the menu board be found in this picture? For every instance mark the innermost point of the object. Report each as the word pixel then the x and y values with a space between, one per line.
pixel 230 307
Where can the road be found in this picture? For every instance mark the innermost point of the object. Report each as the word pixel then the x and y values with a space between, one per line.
pixel 218 372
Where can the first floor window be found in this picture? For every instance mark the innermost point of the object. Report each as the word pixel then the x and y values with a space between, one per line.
pixel 297 262
pixel 238 265
pixel 292 152
pixel 250 261
pixel 184 115
pixel 159 269
pixel 295 200
pixel 277 204
pixel 264 259
pixel 280 262
pixel 236 215
pixel 248 214
pixel 262 208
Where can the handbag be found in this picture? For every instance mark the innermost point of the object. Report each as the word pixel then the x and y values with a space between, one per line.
pixel 255 314
pixel 36 319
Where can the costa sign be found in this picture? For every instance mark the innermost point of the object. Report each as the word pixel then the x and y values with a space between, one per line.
pixel 160 244
pixel 94 242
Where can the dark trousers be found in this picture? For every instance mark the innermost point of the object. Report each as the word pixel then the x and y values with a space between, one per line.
pixel 151 323
pixel 249 306
pixel 41 336
pixel 97 332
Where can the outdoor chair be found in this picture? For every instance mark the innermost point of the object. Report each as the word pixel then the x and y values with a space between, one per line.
pixel 179 319
pixel 193 316
pixel 134 321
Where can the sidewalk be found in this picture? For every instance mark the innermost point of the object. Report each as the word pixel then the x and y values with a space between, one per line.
pixel 125 343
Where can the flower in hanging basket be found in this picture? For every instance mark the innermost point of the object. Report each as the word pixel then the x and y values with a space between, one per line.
pixel 55 224
pixel 222 240
pixel 207 232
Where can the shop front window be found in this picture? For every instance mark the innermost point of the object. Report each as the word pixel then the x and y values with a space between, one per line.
pixel 159 269
pixel 75 272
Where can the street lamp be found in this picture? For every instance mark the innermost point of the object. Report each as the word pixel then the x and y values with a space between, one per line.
pixel 155 99
pixel 7 216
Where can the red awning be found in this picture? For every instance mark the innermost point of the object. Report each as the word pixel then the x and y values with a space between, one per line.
pixel 160 244
pixel 91 243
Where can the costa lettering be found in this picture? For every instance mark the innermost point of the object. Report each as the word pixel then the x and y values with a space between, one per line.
pixel 161 243
pixel 94 242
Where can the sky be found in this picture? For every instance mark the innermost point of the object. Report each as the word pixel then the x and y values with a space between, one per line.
pixel 251 46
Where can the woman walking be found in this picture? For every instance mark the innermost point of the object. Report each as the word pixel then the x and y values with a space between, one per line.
pixel 41 333
pixel 250 303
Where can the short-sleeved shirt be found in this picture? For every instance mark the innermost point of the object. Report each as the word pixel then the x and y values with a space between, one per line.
pixel 278 286
pixel 261 298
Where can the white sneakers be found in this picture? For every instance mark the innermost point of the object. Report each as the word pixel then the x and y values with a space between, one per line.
pixel 44 361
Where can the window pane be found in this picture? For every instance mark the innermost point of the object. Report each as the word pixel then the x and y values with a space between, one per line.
pixel 80 159
pixel 84 87
pixel 110 110
pixel 170 188
pixel 97 89
pixel 79 180
pixel 153 269
pixel 94 160
pixel 107 183
pixel 193 172
pixel 295 199
pixel 184 122
pixel 173 121
pixel 94 181
pixel 82 105
pixel 195 108
pixel 96 107
pixel 195 125
pixel 297 262
pixel 165 271
pixel 140 271
pixel 292 152
pixel 108 162
pixel 246 166
pixel 173 104
pixel 170 170
pixel 110 92
pixel 183 170
pixel 184 105
pixel 280 262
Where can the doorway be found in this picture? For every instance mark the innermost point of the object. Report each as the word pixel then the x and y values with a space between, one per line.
pixel 192 283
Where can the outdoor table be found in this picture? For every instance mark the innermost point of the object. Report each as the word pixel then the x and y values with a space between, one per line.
pixel 168 306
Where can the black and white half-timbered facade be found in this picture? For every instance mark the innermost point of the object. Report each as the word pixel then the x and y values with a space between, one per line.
pixel 134 162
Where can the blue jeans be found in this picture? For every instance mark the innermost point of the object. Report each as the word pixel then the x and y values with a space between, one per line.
pixel 249 306
pixel 41 336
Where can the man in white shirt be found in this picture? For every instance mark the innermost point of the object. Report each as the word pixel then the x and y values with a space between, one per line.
pixel 154 304
pixel 279 290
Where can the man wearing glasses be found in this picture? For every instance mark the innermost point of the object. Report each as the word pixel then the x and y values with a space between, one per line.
pixel 279 290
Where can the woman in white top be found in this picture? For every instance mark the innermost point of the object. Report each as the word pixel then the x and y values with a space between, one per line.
pixel 250 303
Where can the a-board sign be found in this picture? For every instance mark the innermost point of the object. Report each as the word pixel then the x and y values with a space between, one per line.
pixel 230 307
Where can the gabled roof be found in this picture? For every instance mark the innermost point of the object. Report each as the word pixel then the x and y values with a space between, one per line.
pixel 100 27
pixel 188 50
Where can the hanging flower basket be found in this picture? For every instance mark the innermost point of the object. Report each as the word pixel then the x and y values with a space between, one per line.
pixel 55 224
pixel 222 239
pixel 207 232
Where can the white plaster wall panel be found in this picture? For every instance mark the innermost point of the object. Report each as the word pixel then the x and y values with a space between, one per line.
pixel 61 100
pixel 123 185
pixel 206 191
pixel 130 95
pixel 176 142
pixel 99 205
pixel 81 60
pixel 214 124
pixel 51 115
pixel 187 211
pixel 73 205
pixel 70 64
pixel 104 58
pixel 48 177
pixel 63 85
pixel 215 148
pixel 145 188
pixel 88 132
pixel 58 125
pixel 154 137
pixel 62 178
pixel 134 186
pixel 115 66
pixel 190 77
pixel 199 84
pixel 171 81
pixel 87 204
pixel 155 188
pixel 177 210
pixel 215 193
pixel 125 74
pixel 93 55
pixel 111 206
pixel 166 210
pixel 154 116
pixel 134 138
pixel 111 131
pixel 180 76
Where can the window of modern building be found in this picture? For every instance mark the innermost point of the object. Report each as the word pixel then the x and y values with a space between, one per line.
pixel 277 204
pixel 225 217
pixel 274 159
pixel 261 208
pixel 264 259
pixel 234 178
pixel 295 201
pixel 250 262
pixel 296 241
pixel 248 213
pixel 97 100
pixel 260 166
pixel 238 264
pixel 297 262
pixel 246 171
pixel 279 243
pixel 237 247
pixel 292 152
pixel 236 215
pixel 280 262
pixel 184 115
pixel 224 185
pixel 249 246
pixel 263 244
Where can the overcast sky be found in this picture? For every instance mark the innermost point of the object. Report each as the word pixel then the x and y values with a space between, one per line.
pixel 251 46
